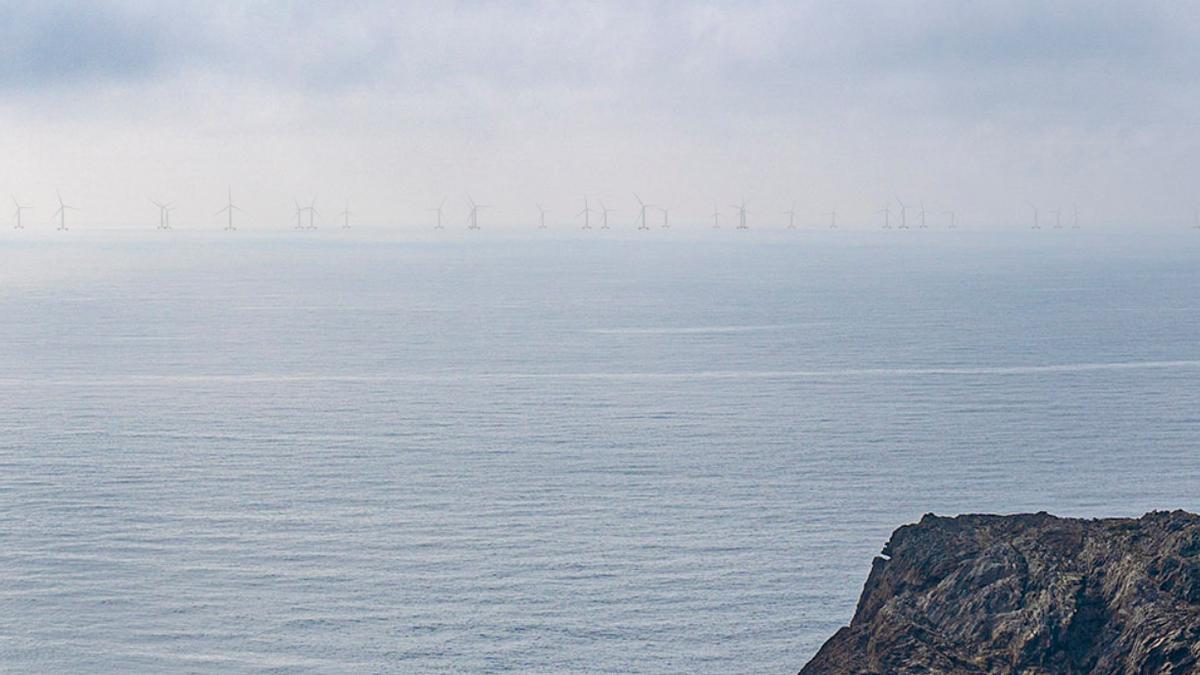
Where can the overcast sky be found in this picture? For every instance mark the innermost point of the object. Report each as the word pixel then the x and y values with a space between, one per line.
pixel 975 106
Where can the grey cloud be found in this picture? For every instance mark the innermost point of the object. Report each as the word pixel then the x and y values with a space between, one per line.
pixel 47 44
pixel 933 57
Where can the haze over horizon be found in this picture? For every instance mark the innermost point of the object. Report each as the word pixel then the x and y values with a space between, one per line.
pixel 968 106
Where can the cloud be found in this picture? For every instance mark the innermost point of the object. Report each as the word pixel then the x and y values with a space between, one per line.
pixel 721 58
pixel 767 92
pixel 53 43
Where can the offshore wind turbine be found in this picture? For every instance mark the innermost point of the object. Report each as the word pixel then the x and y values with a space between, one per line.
pixel 587 214
pixel 473 215
pixel 791 214
pixel 541 217
pixel 1058 219
pixel 61 213
pixel 903 214
pixel 162 215
pixel 604 211
pixel 312 214
pixel 18 210
pixel 345 215
pixel 1075 217
pixel 953 219
pixel 230 207
pixel 1037 223
pixel 299 216
pixel 741 209
pixel 441 207
pixel 716 217
pixel 833 219
pixel 922 212
pixel 642 212
pixel 666 224
pixel 886 212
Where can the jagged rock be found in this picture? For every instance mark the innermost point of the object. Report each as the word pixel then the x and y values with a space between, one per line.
pixel 1030 594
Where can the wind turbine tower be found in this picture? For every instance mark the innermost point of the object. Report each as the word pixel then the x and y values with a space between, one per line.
pixel 230 207
pixel 716 217
pixel 604 211
pixel 345 214
pixel 473 215
pixel 162 215
pixel 1037 223
pixel 741 209
pixel 587 214
pixel 666 224
pixel 642 206
pixel 1075 217
pixel 953 219
pixel 833 219
pixel 1058 219
pixel 312 214
pixel 541 217
pixel 923 225
pixel 903 214
pixel 61 213
pixel 19 209
pixel 441 207
pixel 886 212
pixel 791 214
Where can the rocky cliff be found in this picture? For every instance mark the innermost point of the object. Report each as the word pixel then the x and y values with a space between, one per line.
pixel 1028 594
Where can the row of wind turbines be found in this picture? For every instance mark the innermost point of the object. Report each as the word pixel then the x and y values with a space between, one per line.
pixel 642 220
pixel 307 216
pixel 60 214
pixel 164 214
pixel 472 220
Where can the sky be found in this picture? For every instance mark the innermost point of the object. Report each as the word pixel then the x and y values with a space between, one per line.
pixel 978 107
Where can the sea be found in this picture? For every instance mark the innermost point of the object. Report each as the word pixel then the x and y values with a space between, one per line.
pixel 361 452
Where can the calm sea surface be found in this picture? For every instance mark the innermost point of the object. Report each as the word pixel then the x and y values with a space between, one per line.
pixel 334 454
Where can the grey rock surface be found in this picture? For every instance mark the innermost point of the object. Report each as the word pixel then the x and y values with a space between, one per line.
pixel 1028 594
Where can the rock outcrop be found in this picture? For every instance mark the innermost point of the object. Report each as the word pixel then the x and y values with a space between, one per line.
pixel 1030 594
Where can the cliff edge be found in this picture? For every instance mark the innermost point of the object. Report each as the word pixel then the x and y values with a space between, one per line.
pixel 1028 594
